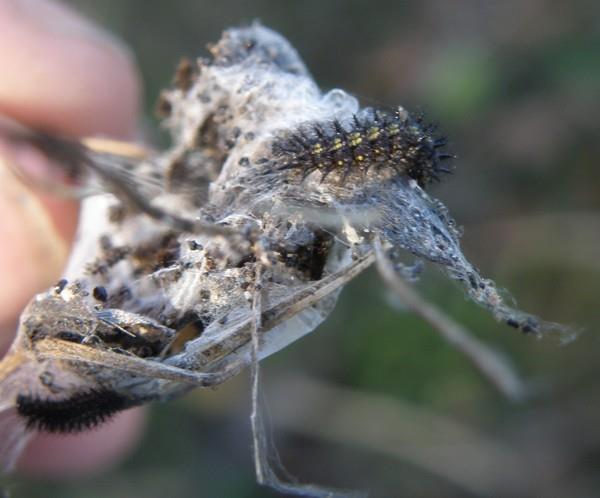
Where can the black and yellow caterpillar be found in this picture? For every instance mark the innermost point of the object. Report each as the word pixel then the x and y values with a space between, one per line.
pixel 376 139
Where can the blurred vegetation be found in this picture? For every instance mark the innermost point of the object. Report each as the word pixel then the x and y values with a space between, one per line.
pixel 515 86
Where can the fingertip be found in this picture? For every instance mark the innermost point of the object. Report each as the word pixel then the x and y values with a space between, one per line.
pixel 63 74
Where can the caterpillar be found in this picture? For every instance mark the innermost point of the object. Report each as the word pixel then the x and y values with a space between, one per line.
pixel 403 144
pixel 80 412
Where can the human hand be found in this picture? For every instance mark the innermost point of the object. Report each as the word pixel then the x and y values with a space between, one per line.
pixel 61 74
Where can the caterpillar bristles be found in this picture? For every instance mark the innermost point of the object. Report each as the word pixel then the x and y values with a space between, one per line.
pixel 79 412
pixel 378 139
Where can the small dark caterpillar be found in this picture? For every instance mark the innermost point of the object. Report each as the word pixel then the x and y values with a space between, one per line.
pixel 380 139
pixel 80 412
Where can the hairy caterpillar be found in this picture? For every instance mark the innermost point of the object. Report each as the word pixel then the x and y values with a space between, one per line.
pixel 395 141
pixel 81 411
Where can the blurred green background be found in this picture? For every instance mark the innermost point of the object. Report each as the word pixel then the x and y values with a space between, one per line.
pixel 515 86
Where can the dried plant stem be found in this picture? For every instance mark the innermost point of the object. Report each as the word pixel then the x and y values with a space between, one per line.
pixel 489 362
pixel 104 158
pixel 265 473
pixel 258 433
